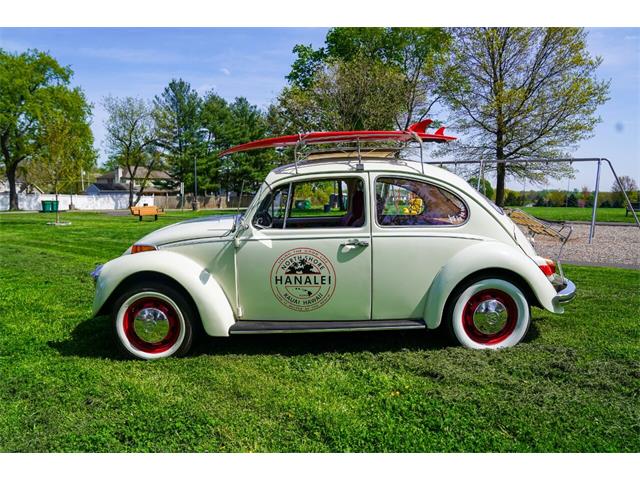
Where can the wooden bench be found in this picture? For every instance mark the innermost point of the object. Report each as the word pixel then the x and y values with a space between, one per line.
pixel 147 211
pixel 634 205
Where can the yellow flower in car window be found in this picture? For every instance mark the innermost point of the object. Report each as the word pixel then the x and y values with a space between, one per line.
pixel 415 206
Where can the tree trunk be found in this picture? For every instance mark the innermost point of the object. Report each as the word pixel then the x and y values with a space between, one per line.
pixel 57 207
pixel 500 174
pixel 144 183
pixel 131 194
pixel 11 178
pixel 501 168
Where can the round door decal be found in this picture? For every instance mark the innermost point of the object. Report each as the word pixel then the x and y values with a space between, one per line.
pixel 303 279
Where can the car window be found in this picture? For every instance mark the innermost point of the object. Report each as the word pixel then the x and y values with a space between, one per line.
pixel 401 201
pixel 327 203
pixel 322 203
pixel 272 210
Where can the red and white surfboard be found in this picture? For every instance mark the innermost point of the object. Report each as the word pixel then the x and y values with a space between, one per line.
pixel 415 130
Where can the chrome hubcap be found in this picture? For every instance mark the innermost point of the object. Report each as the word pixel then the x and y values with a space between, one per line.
pixel 151 325
pixel 490 316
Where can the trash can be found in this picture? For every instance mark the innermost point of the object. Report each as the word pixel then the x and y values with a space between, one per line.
pixel 49 206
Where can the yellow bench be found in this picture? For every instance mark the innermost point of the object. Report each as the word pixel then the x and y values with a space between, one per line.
pixel 147 211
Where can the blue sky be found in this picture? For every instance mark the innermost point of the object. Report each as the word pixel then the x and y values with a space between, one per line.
pixel 252 62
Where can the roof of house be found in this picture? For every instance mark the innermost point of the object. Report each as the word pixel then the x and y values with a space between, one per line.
pixel 110 187
pixel 141 173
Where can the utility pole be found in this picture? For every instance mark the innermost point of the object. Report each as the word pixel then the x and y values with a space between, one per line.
pixel 194 204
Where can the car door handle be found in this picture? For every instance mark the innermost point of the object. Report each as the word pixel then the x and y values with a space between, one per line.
pixel 354 242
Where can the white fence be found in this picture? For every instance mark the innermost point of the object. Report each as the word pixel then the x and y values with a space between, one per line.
pixel 113 201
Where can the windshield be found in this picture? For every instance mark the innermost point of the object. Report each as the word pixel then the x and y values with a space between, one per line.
pixel 256 200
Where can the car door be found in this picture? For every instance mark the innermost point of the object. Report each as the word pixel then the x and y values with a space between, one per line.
pixel 416 228
pixel 306 253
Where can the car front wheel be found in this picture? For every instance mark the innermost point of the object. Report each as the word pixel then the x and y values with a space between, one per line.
pixel 488 314
pixel 153 321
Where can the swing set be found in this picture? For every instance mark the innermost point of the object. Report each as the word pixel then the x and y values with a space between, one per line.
pixel 598 161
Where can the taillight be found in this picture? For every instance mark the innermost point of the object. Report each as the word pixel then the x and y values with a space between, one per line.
pixel 141 247
pixel 548 268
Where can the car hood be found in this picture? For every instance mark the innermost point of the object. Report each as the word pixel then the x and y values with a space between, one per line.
pixel 197 228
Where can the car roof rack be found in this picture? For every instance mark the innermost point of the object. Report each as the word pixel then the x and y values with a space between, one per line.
pixel 415 133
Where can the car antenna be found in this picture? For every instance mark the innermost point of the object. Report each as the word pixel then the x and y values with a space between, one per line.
pixel 240 197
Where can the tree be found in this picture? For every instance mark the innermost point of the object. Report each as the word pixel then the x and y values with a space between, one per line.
pixel 522 93
pixel 355 95
pixel 630 187
pixel 66 145
pixel 556 198
pixel 485 186
pixel 513 198
pixel 216 119
pixel 586 197
pixel 416 57
pixel 247 169
pixel 131 139
pixel 179 130
pixel 31 84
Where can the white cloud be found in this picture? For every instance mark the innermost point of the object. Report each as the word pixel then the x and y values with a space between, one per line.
pixel 226 71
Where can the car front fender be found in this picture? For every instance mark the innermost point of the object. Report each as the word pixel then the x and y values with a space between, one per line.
pixel 209 298
pixel 483 256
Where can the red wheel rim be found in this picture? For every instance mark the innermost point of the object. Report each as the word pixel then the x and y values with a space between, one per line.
pixel 160 307
pixel 469 323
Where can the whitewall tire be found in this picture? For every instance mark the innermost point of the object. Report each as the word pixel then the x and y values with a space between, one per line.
pixel 153 321
pixel 488 314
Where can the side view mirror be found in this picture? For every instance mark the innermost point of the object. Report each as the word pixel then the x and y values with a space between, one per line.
pixel 242 226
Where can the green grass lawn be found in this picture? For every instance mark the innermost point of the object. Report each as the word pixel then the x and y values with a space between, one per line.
pixel 573 385
pixel 579 214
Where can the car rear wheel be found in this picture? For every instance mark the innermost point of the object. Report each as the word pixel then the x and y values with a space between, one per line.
pixel 489 313
pixel 153 321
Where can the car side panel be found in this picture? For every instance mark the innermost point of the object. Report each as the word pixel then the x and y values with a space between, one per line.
pixel 210 300
pixel 405 262
pixel 481 256
pixel 407 259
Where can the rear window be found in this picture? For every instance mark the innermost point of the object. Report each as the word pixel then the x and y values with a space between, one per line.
pixel 406 202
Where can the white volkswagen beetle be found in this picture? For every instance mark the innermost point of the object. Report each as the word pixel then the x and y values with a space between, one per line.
pixel 344 240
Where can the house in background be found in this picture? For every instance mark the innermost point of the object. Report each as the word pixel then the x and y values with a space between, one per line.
pixel 22 186
pixel 118 180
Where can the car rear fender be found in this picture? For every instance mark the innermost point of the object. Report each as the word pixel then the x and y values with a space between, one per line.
pixel 486 255
pixel 210 300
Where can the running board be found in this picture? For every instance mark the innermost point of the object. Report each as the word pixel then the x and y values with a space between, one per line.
pixel 309 326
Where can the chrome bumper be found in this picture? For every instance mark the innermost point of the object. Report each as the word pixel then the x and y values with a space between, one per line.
pixel 566 294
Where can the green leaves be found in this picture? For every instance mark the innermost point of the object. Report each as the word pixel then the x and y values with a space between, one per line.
pixel 177 119
pixel 43 121
pixel 384 77
pixel 522 93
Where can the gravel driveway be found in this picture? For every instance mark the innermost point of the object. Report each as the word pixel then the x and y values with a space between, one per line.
pixel 612 246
